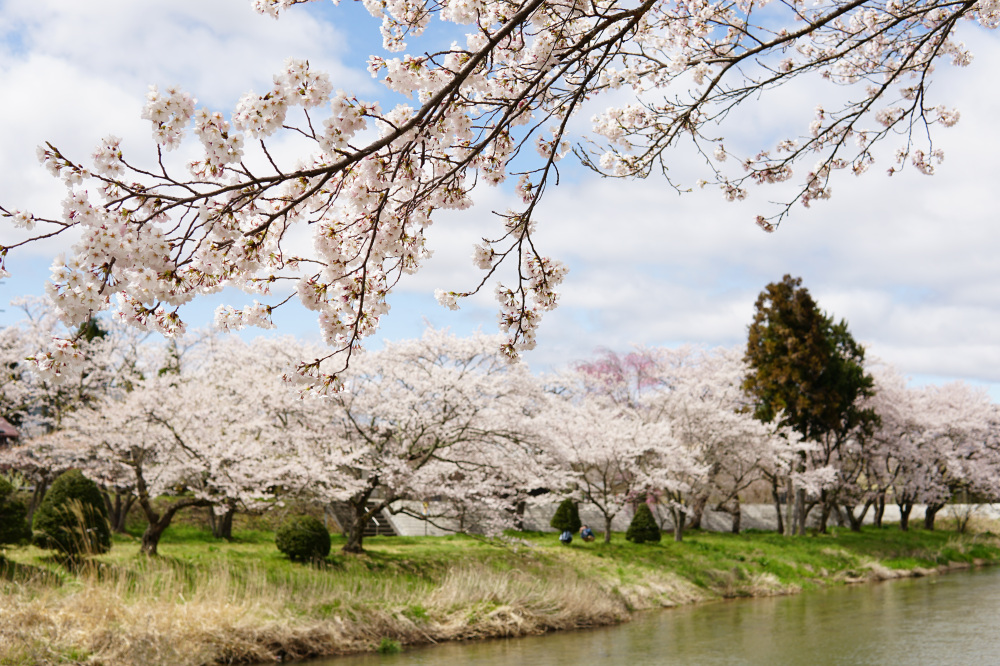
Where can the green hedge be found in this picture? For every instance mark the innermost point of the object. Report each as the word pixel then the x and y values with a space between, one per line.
pixel 72 518
pixel 303 538
pixel 13 516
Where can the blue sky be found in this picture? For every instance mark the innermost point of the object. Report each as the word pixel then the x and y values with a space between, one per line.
pixel 910 261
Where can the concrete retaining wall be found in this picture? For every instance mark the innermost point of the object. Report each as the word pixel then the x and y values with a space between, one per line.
pixel 754 516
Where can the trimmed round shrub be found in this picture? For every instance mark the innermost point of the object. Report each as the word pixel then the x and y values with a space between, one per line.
pixel 303 538
pixel 13 516
pixel 72 518
pixel 567 517
pixel 643 527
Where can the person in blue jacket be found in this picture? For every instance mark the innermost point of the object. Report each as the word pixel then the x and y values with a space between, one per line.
pixel 566 537
pixel 586 533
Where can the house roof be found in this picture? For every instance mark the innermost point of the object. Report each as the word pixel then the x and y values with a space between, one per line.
pixel 7 431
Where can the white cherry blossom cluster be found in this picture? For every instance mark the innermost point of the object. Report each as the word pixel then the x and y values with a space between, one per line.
pixel 108 157
pixel 988 13
pixel 169 113
pixel 260 115
pixel 228 318
pixel 221 146
pixel 447 418
pixel 297 85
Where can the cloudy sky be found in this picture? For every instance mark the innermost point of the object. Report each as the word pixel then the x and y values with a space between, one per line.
pixel 910 261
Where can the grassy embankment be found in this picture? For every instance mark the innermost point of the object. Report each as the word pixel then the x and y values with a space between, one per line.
pixel 206 601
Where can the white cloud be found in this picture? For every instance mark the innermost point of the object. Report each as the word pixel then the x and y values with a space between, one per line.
pixel 909 261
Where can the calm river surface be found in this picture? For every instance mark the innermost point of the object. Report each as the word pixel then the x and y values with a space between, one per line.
pixel 949 619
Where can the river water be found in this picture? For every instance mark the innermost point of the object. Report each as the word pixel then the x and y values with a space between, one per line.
pixel 949 619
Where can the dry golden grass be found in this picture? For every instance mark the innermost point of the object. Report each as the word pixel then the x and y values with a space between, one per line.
pixel 225 612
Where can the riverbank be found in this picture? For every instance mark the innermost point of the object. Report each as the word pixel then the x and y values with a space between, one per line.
pixel 206 601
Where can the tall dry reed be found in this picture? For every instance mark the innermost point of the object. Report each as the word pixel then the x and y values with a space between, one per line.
pixel 162 611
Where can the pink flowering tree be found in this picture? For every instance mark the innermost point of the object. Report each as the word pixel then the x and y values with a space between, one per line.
pixel 151 233
pixel 701 396
pixel 709 447
pixel 624 379
pixel 37 402
pixel 438 418
pixel 932 443
pixel 212 432
pixel 605 455
pixel 958 454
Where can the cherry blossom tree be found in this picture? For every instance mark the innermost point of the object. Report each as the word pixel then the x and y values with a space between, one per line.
pixel 959 455
pixel 209 435
pixel 607 456
pixel 623 379
pixel 711 416
pixel 438 417
pixel 697 398
pixel 931 444
pixel 152 234
pixel 38 402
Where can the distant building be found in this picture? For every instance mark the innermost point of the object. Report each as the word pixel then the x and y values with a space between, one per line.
pixel 8 433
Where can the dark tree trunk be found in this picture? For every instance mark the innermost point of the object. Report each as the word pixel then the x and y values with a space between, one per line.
pixel 354 530
pixel 930 514
pixel 360 514
pixel 519 515
pixel 679 518
pixel 607 528
pixel 697 511
pixel 151 537
pixel 904 515
pixel 36 498
pixel 855 522
pixel 737 516
pixel 118 509
pixel 800 512
pixel 790 498
pixel 159 523
pixel 879 510
pixel 354 544
pixel 777 506
pixel 824 512
pixel 840 516
pixel 222 525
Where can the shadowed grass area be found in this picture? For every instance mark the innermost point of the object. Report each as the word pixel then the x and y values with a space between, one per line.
pixel 209 601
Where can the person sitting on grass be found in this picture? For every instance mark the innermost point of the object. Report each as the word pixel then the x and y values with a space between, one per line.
pixel 586 533
pixel 566 537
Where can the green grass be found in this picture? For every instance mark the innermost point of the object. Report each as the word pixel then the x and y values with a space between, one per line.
pixel 243 600
pixel 709 560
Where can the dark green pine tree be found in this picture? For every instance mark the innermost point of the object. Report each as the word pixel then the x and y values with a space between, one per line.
pixel 567 517
pixel 807 371
pixel 643 527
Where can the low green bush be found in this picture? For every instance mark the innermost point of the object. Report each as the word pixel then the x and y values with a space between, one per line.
pixel 13 516
pixel 389 646
pixel 643 527
pixel 72 518
pixel 303 538
pixel 567 517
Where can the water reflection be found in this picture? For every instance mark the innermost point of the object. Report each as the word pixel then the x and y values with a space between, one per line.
pixel 952 619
